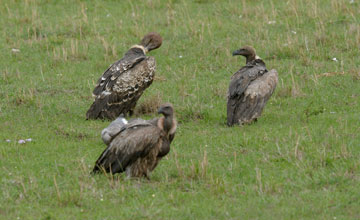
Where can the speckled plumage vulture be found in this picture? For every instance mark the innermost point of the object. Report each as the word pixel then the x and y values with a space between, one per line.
pixel 139 145
pixel 250 88
pixel 122 84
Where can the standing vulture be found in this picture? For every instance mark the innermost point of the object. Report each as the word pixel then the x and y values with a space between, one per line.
pixel 250 88
pixel 139 145
pixel 122 84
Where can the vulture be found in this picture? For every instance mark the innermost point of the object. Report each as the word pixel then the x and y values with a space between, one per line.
pixel 138 145
pixel 122 84
pixel 250 88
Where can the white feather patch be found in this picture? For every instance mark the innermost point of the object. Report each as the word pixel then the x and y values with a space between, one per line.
pixel 257 57
pixel 140 47
pixel 124 120
pixel 106 93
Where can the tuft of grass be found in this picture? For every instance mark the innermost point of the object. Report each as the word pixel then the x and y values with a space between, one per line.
pixel 149 106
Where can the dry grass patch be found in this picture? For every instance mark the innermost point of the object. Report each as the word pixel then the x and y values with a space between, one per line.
pixel 149 106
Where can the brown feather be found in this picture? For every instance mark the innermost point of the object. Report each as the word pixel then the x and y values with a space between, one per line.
pixel 121 94
pixel 249 106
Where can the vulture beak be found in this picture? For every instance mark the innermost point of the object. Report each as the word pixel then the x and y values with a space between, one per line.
pixel 237 52
pixel 161 110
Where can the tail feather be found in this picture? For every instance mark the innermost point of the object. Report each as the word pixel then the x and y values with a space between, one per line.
pixel 107 163
pixel 231 107
pixel 96 108
pixel 100 162
pixel 96 170
pixel 111 106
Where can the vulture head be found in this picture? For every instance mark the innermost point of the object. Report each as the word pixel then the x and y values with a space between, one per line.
pixel 151 41
pixel 166 109
pixel 167 122
pixel 248 52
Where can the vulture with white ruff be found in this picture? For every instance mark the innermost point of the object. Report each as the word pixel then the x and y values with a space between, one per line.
pixel 138 145
pixel 250 88
pixel 122 84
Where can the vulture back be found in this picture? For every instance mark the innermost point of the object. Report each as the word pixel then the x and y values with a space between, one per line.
pixel 250 106
pixel 121 91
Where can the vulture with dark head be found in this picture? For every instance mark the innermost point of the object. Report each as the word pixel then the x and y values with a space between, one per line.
pixel 122 84
pixel 139 145
pixel 250 88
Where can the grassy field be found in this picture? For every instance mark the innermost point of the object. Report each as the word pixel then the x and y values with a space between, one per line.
pixel 299 161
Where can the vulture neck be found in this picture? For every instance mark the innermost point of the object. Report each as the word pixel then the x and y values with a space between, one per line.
pixel 250 58
pixel 166 123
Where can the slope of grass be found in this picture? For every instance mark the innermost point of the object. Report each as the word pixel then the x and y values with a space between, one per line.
pixel 299 161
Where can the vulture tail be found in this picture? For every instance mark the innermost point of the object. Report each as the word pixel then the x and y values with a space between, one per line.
pixel 99 164
pixel 96 108
pixel 231 107
pixel 96 170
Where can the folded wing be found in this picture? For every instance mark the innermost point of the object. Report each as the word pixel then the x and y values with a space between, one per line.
pixel 121 85
pixel 251 103
pixel 134 143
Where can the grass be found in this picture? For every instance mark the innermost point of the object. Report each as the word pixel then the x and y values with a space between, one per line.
pixel 299 161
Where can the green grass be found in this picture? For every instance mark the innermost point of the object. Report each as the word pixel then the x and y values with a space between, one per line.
pixel 299 161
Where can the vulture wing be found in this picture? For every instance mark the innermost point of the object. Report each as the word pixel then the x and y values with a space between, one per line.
pixel 132 143
pixel 239 83
pixel 110 132
pixel 109 77
pixel 118 90
pixel 253 101
pixel 242 78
